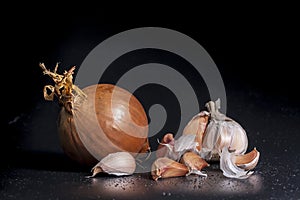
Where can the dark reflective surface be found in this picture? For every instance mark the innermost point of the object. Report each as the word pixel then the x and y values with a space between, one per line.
pixel 267 182
pixel 41 184
pixel 54 176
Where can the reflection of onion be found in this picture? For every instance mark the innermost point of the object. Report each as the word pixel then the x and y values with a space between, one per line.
pixel 123 122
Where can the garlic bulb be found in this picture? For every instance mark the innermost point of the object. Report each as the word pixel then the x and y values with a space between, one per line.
pixel 119 164
pixel 222 132
pixel 223 139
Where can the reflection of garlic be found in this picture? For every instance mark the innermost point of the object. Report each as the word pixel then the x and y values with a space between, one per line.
pixel 224 139
pixel 166 168
pixel 119 164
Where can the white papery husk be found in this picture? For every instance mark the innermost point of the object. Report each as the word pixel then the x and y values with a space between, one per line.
pixel 183 144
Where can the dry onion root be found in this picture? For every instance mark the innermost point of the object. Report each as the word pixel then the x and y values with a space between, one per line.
pixel 211 136
pixel 124 124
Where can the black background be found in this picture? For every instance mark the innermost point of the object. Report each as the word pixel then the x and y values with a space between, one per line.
pixel 255 51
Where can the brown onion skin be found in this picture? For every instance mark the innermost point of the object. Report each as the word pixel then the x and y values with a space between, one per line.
pixel 70 141
pixel 122 135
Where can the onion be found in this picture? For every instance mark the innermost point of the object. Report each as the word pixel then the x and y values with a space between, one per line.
pixel 98 120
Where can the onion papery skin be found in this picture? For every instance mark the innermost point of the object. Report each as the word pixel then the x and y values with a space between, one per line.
pixel 110 119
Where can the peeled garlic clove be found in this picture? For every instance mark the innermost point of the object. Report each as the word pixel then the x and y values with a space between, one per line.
pixel 119 164
pixel 247 161
pixel 166 168
pixel 197 126
pixel 229 163
pixel 194 163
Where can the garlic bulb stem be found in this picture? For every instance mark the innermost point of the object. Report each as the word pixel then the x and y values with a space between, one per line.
pixel 213 108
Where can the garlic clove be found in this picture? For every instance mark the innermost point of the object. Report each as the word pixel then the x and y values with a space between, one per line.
pixel 247 161
pixel 241 170
pixel 165 145
pixel 239 139
pixel 166 168
pixel 197 126
pixel 194 163
pixel 210 142
pixel 119 164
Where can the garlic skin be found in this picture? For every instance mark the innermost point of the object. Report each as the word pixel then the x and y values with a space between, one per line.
pixel 221 134
pixel 119 164
pixel 166 168
pixel 176 148
pixel 197 125
pixel 162 149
